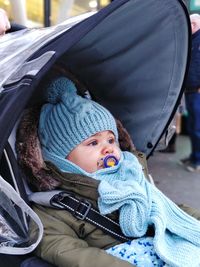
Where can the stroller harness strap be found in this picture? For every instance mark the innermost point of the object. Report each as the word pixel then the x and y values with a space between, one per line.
pixel 82 209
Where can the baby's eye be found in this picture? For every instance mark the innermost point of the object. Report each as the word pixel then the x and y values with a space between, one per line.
pixel 93 143
pixel 111 140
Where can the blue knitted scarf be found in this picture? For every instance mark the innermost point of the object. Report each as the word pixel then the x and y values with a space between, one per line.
pixel 125 188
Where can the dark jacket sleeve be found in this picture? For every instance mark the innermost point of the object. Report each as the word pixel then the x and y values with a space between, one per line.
pixel 193 77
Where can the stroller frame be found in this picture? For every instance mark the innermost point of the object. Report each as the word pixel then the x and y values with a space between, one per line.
pixel 127 78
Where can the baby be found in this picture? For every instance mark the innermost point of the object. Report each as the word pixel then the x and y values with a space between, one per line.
pixel 80 137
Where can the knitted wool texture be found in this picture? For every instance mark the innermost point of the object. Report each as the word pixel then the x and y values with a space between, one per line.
pixel 68 119
pixel 124 188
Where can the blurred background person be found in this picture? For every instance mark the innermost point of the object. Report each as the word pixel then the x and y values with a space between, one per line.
pixel 192 97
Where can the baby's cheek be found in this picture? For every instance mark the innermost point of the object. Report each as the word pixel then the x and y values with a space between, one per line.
pixel 118 153
pixel 91 164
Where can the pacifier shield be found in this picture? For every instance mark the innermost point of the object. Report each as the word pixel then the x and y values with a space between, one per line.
pixel 110 161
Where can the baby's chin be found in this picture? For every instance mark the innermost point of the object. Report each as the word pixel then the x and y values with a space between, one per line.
pixel 100 164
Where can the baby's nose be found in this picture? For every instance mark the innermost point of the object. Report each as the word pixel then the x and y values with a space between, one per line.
pixel 108 149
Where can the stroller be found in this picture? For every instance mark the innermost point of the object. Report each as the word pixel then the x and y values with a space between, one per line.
pixel 133 58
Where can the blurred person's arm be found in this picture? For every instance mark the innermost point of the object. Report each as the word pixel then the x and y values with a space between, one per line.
pixel 4 22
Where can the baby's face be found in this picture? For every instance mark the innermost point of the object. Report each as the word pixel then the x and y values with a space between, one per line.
pixel 88 155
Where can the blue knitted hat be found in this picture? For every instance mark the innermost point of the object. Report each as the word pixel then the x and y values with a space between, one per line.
pixel 68 119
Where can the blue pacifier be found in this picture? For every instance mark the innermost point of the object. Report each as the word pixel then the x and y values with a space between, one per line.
pixel 110 161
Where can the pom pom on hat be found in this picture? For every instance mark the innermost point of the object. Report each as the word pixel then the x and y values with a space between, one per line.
pixel 68 119
pixel 59 88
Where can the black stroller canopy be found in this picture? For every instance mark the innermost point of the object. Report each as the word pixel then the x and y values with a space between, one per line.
pixel 132 56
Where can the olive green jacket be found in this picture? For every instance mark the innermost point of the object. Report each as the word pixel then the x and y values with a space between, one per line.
pixel 69 242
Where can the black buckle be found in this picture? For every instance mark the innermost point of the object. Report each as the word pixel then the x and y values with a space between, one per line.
pixel 80 208
pixel 56 200
pixel 78 213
